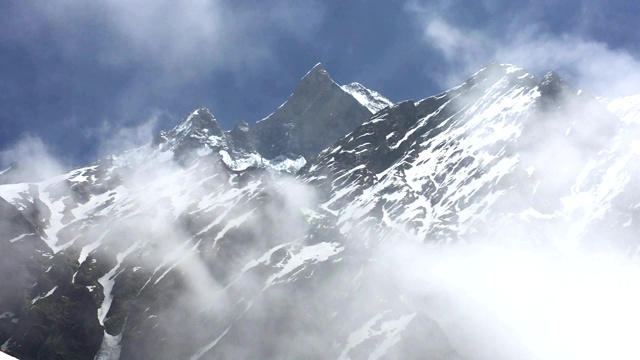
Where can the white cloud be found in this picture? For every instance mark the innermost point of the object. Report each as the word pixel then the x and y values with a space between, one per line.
pixel 451 41
pixel 593 65
pixel 502 302
pixel 584 62
pixel 115 139
pixel 34 159
pixel 182 39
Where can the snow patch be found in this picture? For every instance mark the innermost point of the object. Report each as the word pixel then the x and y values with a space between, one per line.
pixel 308 254
pixel 40 297
pixel 110 347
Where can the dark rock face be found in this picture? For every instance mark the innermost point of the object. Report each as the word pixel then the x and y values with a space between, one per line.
pixel 22 254
pixel 239 139
pixel 42 316
pixel 314 116
pixel 196 130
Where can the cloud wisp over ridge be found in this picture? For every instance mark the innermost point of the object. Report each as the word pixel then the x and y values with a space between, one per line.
pixel 520 38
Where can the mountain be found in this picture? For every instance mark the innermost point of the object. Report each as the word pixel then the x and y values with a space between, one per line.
pixel 444 167
pixel 317 113
pixel 203 245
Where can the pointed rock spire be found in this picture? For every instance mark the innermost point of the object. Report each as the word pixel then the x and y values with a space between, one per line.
pixel 315 115
pixel 552 87
pixel 238 138
pixel 199 121
pixel 197 130
pixel 315 81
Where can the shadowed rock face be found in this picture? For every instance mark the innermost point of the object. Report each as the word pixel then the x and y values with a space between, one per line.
pixel 19 243
pixel 239 138
pixel 315 115
pixel 42 315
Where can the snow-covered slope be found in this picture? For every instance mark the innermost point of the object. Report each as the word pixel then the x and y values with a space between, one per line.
pixel 4 356
pixel 199 215
pixel 372 100
pixel 626 108
pixel 500 149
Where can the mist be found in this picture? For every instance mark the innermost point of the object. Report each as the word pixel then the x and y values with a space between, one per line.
pixel 527 39
pixel 521 302
pixel 30 159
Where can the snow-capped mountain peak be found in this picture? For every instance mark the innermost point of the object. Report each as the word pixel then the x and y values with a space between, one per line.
pixel 316 114
pixel 317 68
pixel 372 100
pixel 198 131
pixel 198 122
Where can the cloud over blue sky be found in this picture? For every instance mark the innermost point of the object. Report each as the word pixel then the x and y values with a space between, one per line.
pixel 79 74
pixel 540 36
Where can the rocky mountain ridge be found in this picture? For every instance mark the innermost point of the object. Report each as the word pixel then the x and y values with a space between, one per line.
pixel 316 114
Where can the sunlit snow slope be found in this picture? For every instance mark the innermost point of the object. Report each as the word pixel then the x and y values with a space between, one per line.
pixel 500 150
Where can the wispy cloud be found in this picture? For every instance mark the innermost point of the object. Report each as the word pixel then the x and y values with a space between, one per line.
pixel 132 57
pixel 187 38
pixel 115 139
pixel 34 159
pixel 588 63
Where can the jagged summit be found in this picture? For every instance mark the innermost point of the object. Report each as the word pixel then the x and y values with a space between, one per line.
pixel 317 113
pixel 199 121
pixel 372 100
pixel 553 83
pixel 550 77
pixel 505 67
pixel 495 71
pixel 196 130
pixel 241 126
pixel 555 91
pixel 314 82
pixel 316 69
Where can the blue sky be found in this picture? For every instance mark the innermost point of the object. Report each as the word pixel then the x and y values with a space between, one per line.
pixel 82 79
